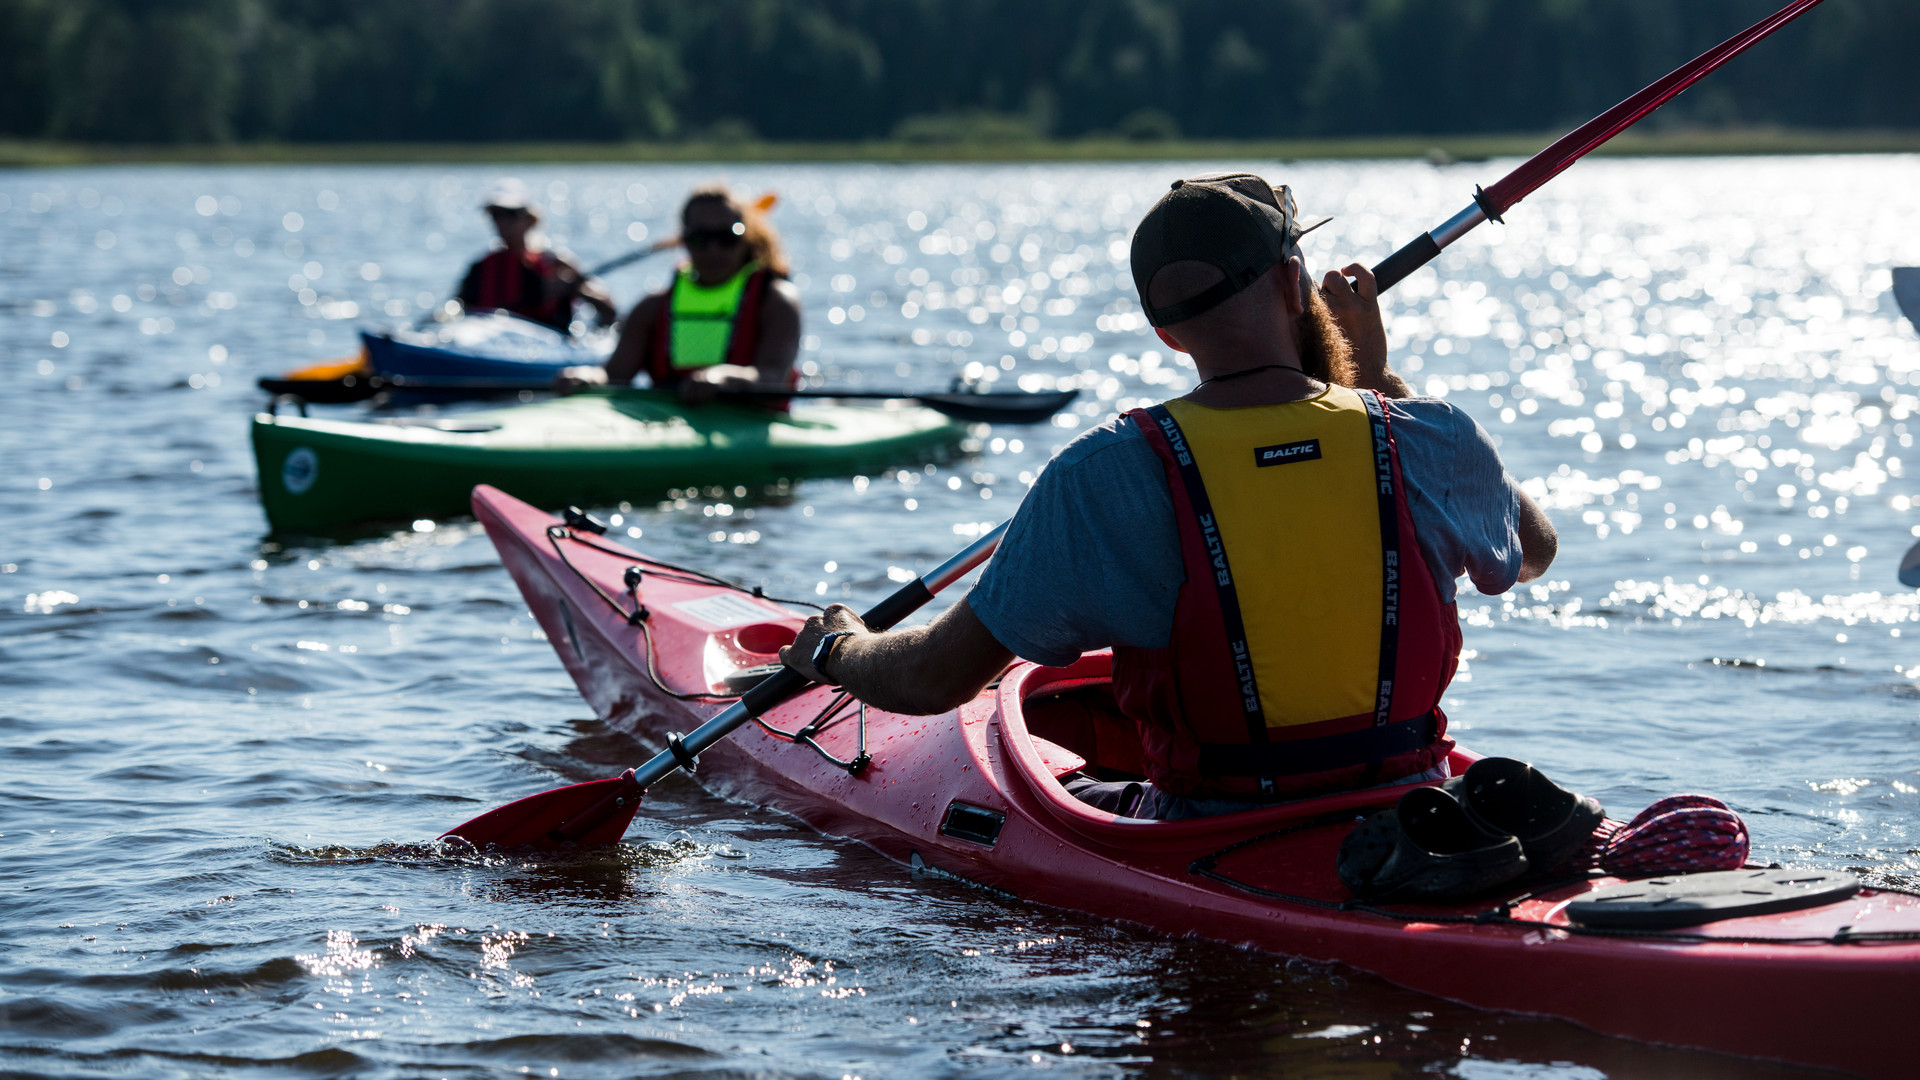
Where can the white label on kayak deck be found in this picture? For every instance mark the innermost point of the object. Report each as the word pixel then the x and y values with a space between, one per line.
pixel 724 610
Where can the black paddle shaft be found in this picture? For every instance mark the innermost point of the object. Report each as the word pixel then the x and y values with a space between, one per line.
pixel 993 407
pixel 785 683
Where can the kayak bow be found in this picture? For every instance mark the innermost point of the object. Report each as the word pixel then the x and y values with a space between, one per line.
pixel 599 812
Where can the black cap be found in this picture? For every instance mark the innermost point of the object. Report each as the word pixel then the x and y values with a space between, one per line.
pixel 1235 222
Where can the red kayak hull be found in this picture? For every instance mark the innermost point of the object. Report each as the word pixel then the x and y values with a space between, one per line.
pixel 939 785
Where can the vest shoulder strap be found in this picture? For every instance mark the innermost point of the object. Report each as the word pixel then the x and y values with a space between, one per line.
pixel 660 350
pixel 743 343
pixel 1161 428
pixel 1387 489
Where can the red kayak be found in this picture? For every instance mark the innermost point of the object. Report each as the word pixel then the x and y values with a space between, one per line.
pixel 973 794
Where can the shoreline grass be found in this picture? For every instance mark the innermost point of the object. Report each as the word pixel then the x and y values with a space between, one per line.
pixel 15 153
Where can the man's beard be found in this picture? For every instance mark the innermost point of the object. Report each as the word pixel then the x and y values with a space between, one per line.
pixel 1324 351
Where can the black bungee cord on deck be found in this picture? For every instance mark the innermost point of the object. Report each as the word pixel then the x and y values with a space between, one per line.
pixel 639 616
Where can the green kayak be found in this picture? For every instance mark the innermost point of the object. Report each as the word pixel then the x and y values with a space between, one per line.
pixel 594 448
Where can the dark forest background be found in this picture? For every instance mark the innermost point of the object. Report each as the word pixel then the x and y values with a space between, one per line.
pixel 173 71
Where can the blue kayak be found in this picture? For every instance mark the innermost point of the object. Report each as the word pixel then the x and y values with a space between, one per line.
pixel 477 356
pixel 496 346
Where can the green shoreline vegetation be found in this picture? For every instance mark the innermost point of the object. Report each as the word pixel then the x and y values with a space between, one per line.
pixel 25 153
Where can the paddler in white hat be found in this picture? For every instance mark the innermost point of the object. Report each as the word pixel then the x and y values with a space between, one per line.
pixel 523 275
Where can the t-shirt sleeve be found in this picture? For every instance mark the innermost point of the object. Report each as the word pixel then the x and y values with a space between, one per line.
pixel 1465 505
pixel 1091 559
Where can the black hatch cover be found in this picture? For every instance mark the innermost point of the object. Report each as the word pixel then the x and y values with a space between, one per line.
pixel 1677 900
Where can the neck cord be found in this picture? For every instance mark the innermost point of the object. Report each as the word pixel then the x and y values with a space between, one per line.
pixel 1249 371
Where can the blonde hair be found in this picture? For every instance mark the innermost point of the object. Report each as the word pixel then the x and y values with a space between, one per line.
pixel 762 241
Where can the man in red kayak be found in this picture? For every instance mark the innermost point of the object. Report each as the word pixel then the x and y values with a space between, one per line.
pixel 530 281
pixel 731 318
pixel 1271 557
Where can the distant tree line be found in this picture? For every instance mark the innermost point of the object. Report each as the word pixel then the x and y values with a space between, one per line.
pixel 166 71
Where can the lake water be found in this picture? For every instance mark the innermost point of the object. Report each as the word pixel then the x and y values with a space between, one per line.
pixel 1696 365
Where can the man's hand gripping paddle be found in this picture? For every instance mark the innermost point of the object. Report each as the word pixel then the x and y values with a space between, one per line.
pixel 1547 164
pixel 599 812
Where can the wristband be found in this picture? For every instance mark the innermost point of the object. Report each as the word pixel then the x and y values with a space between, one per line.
pixel 824 649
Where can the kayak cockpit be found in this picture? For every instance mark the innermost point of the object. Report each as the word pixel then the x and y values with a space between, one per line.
pixel 1048 714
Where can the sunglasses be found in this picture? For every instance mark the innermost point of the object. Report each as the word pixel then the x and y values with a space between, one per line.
pixel 727 237
pixel 505 212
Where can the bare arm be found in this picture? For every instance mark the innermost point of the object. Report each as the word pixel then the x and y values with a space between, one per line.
pixel 573 283
pixel 779 333
pixel 596 296
pixel 919 670
pixel 629 353
pixel 635 347
pixel 1538 542
pixel 1356 307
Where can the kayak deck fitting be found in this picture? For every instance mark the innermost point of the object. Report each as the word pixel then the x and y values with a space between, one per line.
pixel 593 448
pixel 973 794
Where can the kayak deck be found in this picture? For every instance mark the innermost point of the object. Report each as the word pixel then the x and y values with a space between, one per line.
pixel 595 447
pixel 494 345
pixel 973 794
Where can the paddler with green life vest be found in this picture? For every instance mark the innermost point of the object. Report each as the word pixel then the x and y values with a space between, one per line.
pixel 731 318
pixel 1272 558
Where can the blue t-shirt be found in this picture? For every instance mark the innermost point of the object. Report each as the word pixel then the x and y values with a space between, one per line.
pixel 1092 558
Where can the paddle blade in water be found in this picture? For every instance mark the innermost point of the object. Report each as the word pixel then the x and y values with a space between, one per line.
pixel 583 815
pixel 1906 292
pixel 1910 568
pixel 1000 407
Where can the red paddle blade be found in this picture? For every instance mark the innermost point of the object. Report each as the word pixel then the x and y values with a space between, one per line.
pixel 1576 144
pixel 582 815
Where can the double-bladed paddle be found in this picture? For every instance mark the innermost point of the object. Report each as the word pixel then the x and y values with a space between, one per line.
pixel 992 407
pixel 598 812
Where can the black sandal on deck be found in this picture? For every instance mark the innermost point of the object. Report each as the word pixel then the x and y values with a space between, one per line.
pixel 1552 823
pixel 1427 848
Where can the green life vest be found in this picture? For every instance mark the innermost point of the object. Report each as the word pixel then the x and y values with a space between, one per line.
pixel 702 317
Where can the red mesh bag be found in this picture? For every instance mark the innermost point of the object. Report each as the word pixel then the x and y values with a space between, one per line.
pixel 1680 834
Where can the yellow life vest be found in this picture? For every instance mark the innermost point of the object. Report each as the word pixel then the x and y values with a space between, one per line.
pixel 1292 490
pixel 1310 645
